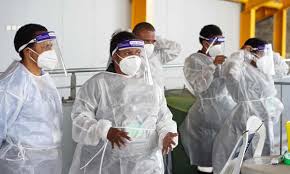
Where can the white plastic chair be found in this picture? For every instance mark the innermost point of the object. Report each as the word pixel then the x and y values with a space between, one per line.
pixel 254 126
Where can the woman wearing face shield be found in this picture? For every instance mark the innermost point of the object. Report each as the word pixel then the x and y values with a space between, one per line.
pixel 121 121
pixel 30 107
pixel 202 71
pixel 249 80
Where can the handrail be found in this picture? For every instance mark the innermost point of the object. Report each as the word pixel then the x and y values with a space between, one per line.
pixel 97 69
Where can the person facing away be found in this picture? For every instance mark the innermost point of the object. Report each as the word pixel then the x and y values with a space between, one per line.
pixel 202 71
pixel 30 106
pixel 120 121
pixel 159 51
pixel 248 75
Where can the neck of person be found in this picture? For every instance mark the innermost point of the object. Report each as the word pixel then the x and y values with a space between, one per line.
pixel 203 51
pixel 31 66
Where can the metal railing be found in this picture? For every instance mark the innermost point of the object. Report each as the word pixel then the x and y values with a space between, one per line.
pixel 73 86
pixel 73 78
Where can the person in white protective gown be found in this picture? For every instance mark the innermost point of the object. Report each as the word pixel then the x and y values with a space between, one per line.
pixel 159 51
pixel 280 66
pixel 249 80
pixel 30 107
pixel 213 104
pixel 120 119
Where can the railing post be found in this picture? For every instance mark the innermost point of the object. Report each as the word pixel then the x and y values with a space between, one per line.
pixel 73 84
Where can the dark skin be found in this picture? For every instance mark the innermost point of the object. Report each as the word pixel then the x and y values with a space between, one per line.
pixel 218 59
pixel 147 36
pixel 28 54
pixel 119 137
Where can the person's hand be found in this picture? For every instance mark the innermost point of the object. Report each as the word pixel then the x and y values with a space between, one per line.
pixel 219 60
pixel 116 136
pixel 168 142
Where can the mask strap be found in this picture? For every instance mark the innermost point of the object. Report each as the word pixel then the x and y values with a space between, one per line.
pixel 34 53
pixel 119 57
pixel 211 45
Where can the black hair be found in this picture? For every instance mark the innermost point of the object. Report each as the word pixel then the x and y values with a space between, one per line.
pixel 25 34
pixel 255 42
pixel 209 31
pixel 120 37
pixel 143 26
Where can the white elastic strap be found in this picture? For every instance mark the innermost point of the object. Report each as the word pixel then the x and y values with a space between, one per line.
pixel 114 51
pixel 22 150
pixel 25 45
pixel 104 147
pixel 211 45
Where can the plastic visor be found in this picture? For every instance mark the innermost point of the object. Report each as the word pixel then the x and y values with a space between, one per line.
pixel 265 59
pixel 129 44
pixel 145 68
pixel 214 39
pixel 47 41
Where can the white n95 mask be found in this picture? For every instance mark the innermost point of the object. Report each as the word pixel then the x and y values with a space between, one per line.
pixel 149 48
pixel 130 64
pixel 215 50
pixel 47 59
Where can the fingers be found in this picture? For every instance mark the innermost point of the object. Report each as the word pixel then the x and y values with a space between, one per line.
pixel 219 60
pixel 172 143
pixel 125 135
pixel 166 150
pixel 119 139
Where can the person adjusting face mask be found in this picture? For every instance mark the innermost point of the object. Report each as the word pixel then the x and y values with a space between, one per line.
pixel 30 107
pixel 122 125
pixel 213 105
pixel 262 58
pixel 159 51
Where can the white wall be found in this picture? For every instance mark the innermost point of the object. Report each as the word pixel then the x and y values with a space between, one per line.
pixel 181 20
pixel 84 28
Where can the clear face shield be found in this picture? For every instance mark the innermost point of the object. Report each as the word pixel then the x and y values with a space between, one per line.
pixel 134 64
pixel 216 46
pixel 48 52
pixel 263 56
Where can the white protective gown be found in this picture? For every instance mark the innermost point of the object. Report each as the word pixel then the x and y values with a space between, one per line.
pixel 113 100
pixel 208 113
pixel 255 94
pixel 165 51
pixel 30 123
pixel 281 67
